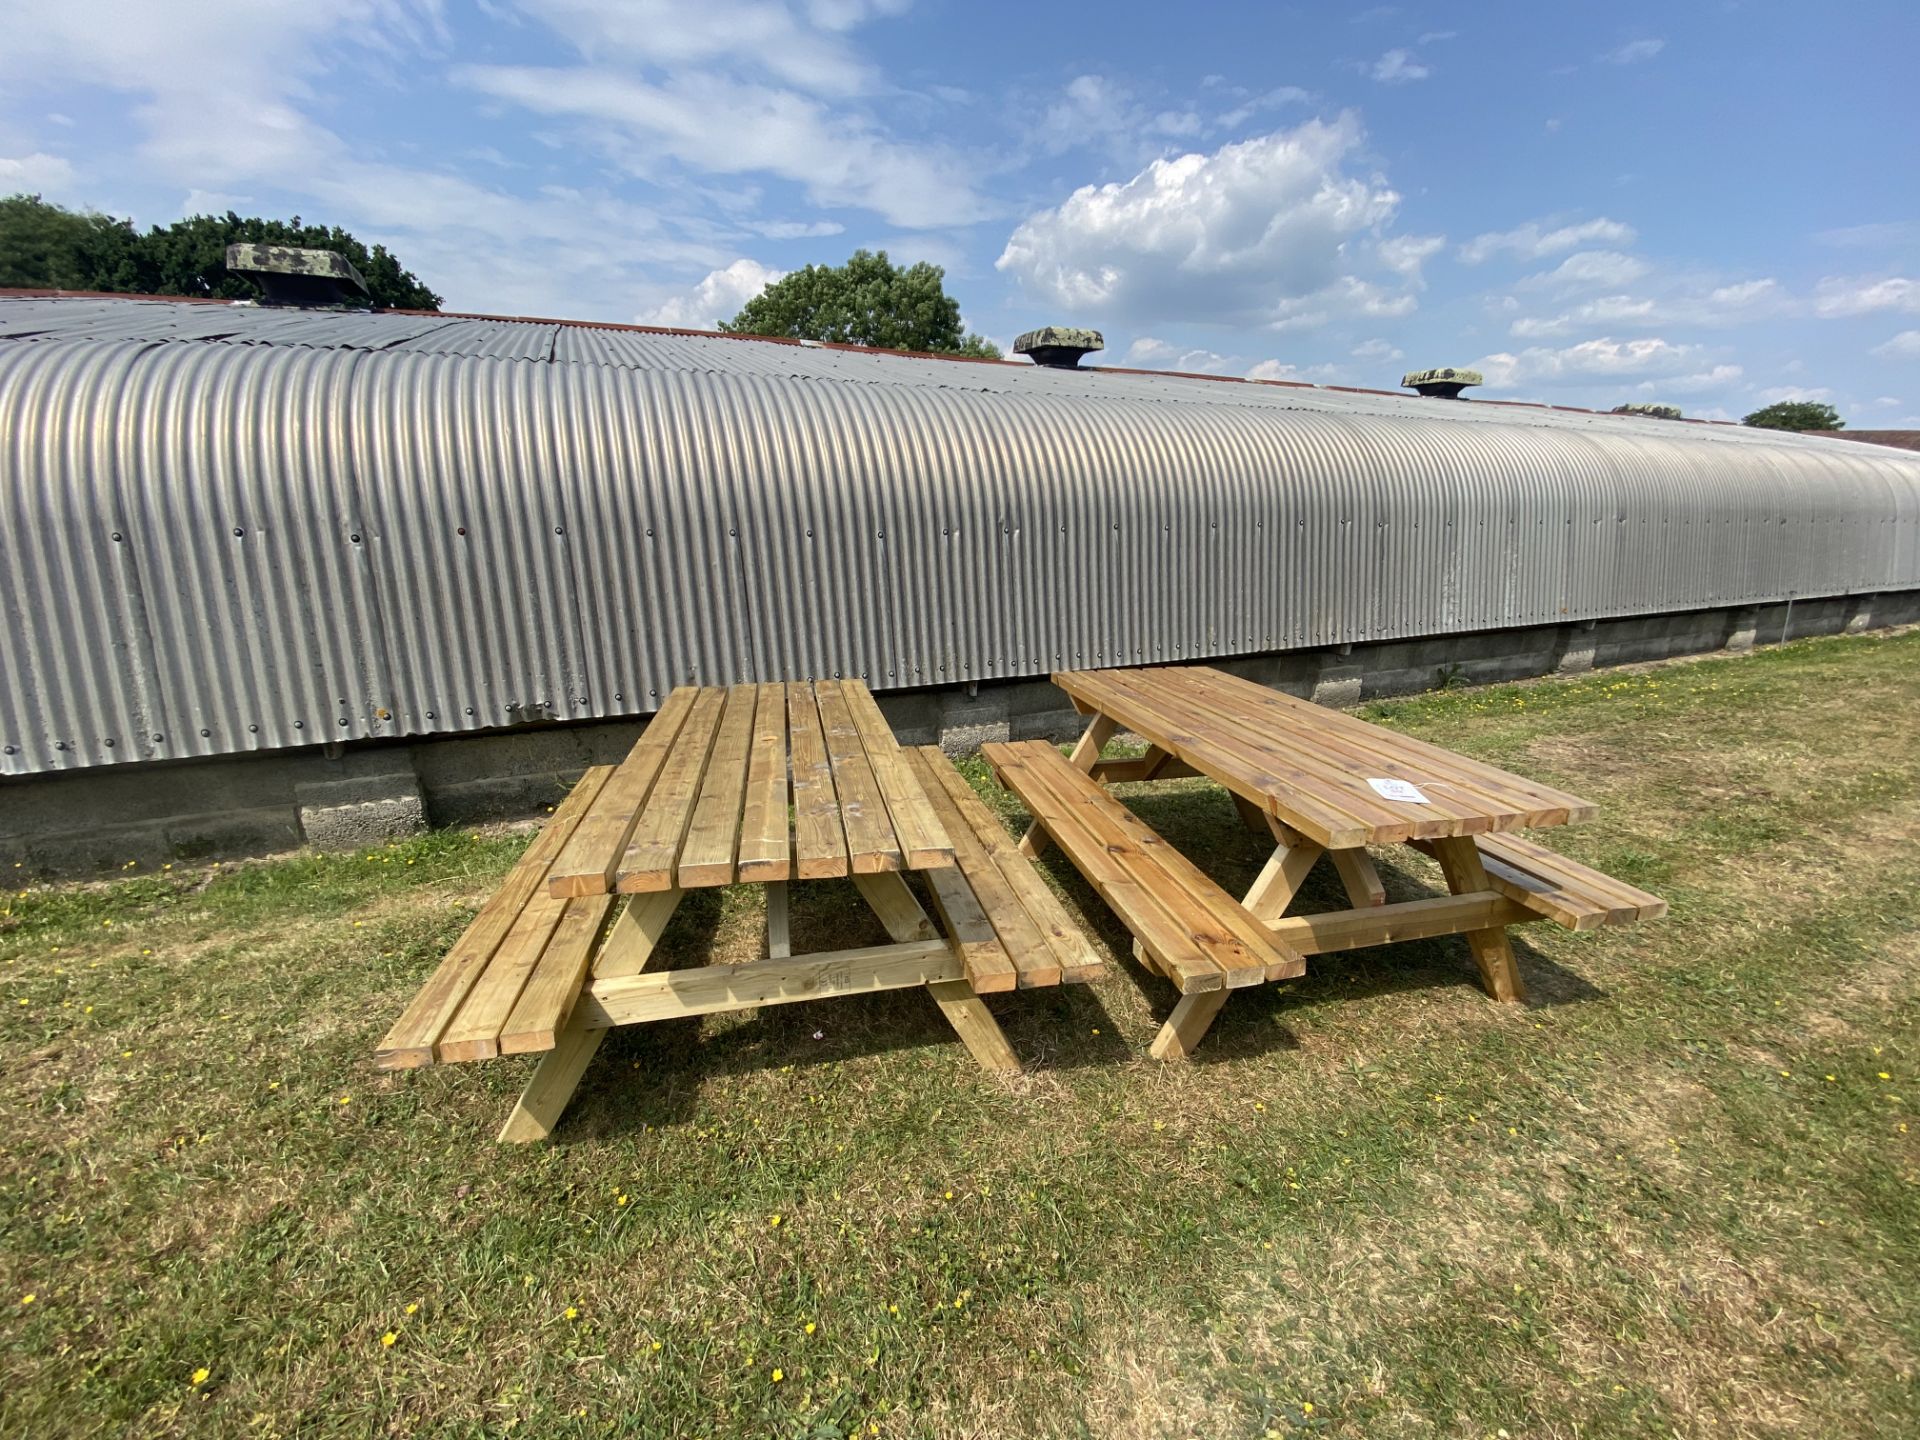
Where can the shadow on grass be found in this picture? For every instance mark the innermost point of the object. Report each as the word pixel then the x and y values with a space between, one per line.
pixel 650 1075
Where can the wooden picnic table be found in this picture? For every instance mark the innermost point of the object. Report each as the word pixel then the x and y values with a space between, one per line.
pixel 763 785
pixel 1322 784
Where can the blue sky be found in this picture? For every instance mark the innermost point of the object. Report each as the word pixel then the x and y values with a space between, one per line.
pixel 1710 204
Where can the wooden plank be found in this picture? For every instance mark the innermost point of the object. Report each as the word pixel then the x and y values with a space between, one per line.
pixel 409 1043
pixel 965 812
pixel 1156 764
pixel 1286 871
pixel 923 843
pixel 1021 938
pixel 888 897
pixel 1361 879
pixel 651 853
pixel 819 837
pixel 1222 913
pixel 766 824
pixel 713 834
pixel 1231 760
pixel 713 988
pixel 871 843
pixel 975 1025
pixel 779 922
pixel 1508 799
pixel 983 959
pixel 1406 920
pixel 541 1012
pixel 1190 1020
pixel 588 863
pixel 1147 893
pixel 1574 895
pixel 629 948
pixel 1085 756
pixel 1492 952
pixel 474 1032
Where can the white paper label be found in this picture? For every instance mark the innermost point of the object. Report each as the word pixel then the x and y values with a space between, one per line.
pixel 1398 790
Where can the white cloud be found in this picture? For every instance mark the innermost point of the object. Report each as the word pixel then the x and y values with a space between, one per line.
pixel 1398 67
pixel 1300 374
pixel 1147 353
pixel 1601 358
pixel 36 172
pixel 1589 269
pixel 1715 378
pixel 1792 392
pixel 1904 346
pixel 795 229
pixel 1533 241
pixel 1252 104
pixel 1380 350
pixel 1739 303
pixel 728 127
pixel 1881 235
pixel 716 298
pixel 1270 229
pixel 1837 296
pixel 1633 52
pixel 1405 254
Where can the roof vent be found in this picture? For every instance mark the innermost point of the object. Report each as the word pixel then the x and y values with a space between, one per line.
pixel 1058 346
pixel 1652 411
pixel 293 276
pixel 1445 383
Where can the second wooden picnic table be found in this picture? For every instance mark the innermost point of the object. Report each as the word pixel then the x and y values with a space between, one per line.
pixel 1322 784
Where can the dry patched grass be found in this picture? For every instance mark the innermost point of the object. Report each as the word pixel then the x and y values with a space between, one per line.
pixel 1670 1195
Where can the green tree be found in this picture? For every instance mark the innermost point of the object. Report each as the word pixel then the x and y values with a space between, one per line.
pixel 1796 415
pixel 867 301
pixel 45 245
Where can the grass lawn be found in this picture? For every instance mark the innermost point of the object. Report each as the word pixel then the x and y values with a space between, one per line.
pixel 1675 1193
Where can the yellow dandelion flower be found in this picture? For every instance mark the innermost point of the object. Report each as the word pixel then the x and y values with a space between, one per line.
pixel 1306 1407
pixel 949 1194
pixel 346 1099
pixel 1885 1076
pixel 573 1312
pixel 810 1327
pixel 28 1298
pixel 413 1307
pixel 656 1344
pixel 389 1339
pixel 619 1199
pixel 891 1309
pixel 778 1374
pixel 201 1375
pixel 774 1220
pixel 1829 1077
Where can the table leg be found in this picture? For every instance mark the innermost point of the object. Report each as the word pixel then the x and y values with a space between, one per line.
pixel 974 1023
pixel 1188 1022
pixel 1294 856
pixel 1086 752
pixel 1251 815
pixel 628 948
pixel 896 906
pixel 1459 860
pixel 779 933
pixel 1359 876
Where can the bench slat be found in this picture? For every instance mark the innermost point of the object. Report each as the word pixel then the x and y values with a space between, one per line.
pixel 1074 956
pixel 871 844
pixel 409 1043
pixel 552 990
pixel 1565 891
pixel 819 839
pixel 1193 928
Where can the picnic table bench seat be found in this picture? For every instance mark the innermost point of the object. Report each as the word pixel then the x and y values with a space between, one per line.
pixel 1186 926
pixel 1564 891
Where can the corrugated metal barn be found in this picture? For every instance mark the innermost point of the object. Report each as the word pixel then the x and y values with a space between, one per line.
pixel 230 529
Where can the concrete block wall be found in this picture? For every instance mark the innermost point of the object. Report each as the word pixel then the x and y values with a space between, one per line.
pixel 364 795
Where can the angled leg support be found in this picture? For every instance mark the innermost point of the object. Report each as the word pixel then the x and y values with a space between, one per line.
pixel 1459 860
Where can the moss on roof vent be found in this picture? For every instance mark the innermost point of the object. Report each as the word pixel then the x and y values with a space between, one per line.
pixel 1648 408
pixel 1445 383
pixel 292 275
pixel 1059 346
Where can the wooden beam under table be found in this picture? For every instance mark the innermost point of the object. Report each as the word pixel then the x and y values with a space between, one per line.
pixel 712 989
pixel 1459 861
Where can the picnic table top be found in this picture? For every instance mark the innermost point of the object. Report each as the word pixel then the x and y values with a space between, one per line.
pixel 754 783
pixel 1310 766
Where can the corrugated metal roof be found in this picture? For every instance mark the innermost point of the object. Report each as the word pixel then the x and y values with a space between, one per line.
pixel 229 529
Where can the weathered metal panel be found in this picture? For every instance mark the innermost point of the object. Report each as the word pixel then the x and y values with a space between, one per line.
pixel 231 529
